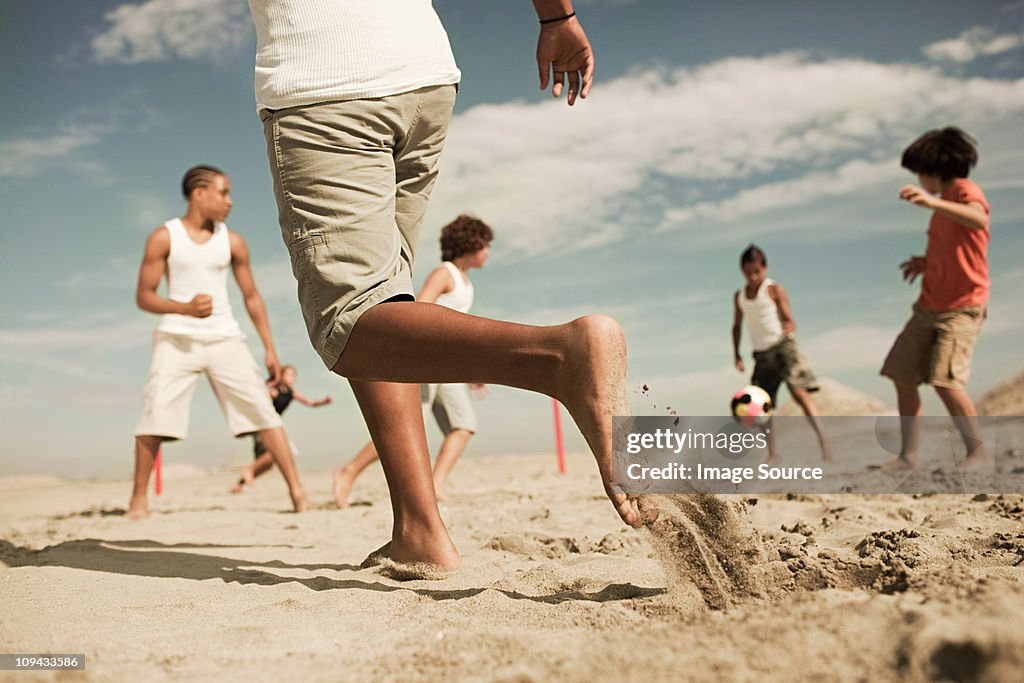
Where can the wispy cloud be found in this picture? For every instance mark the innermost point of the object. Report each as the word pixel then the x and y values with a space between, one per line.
pixel 24 157
pixel 975 42
pixel 159 30
pixel 693 149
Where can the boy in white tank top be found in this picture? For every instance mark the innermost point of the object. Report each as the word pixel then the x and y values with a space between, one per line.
pixel 777 358
pixel 465 244
pixel 198 334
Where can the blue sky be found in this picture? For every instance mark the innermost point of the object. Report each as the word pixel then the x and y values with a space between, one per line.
pixel 711 125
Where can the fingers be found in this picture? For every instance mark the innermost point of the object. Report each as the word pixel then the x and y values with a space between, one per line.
pixel 558 83
pixel 574 86
pixel 588 75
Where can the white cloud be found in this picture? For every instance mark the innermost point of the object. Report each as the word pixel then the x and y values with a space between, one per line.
pixel 24 157
pixel 159 30
pixel 693 148
pixel 975 42
pixel 848 348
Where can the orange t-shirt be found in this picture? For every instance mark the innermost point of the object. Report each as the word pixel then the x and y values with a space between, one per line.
pixel 956 258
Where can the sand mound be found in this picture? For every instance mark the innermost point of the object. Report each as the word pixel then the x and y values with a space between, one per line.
pixel 836 399
pixel 1004 399
pixel 701 539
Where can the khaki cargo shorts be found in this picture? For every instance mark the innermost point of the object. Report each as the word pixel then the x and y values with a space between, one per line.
pixel 935 348
pixel 450 405
pixel 178 362
pixel 782 363
pixel 352 181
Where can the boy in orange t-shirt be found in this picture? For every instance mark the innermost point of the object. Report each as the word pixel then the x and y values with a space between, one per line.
pixel 936 344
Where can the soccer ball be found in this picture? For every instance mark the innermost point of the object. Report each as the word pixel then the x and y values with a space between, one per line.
pixel 752 406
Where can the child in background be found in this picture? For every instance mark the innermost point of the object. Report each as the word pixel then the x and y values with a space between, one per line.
pixel 281 394
pixel 777 357
pixel 936 345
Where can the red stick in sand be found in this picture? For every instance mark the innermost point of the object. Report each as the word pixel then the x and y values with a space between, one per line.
pixel 157 482
pixel 558 437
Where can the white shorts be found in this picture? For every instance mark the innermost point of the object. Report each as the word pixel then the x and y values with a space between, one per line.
pixel 174 371
pixel 450 405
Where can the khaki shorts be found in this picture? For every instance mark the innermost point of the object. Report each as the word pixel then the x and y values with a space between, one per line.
pixel 782 363
pixel 352 181
pixel 451 406
pixel 177 363
pixel 935 348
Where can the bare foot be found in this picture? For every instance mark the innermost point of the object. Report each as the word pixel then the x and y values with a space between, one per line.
pixel 424 550
pixel 137 508
pixel 343 480
pixel 245 478
pixel 593 390
pixel 978 460
pixel 826 453
pixel 300 502
pixel 900 464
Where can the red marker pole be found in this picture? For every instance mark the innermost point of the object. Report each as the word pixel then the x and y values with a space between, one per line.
pixel 157 482
pixel 558 437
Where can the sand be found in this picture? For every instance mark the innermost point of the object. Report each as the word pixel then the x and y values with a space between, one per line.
pixel 220 587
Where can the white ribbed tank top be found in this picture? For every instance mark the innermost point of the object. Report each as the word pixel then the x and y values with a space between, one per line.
pixel 310 51
pixel 192 269
pixel 461 297
pixel 762 317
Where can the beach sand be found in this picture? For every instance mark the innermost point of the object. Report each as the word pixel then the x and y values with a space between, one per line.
pixel 553 588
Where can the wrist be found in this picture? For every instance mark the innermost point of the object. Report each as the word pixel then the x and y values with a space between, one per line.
pixel 549 10
pixel 557 20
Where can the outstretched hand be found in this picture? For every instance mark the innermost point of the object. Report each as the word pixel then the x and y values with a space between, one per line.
pixel 917 196
pixel 563 50
pixel 912 267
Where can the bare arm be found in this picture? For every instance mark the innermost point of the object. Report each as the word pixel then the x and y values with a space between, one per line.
pixel 438 282
pixel 563 50
pixel 778 295
pixel 254 303
pixel 971 215
pixel 309 402
pixel 737 331
pixel 154 265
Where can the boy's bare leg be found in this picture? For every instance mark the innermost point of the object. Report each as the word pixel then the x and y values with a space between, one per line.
pixel 451 448
pixel 908 401
pixel 395 420
pixel 345 476
pixel 581 363
pixel 773 454
pixel 145 454
pixel 277 446
pixel 965 417
pixel 804 400
pixel 263 463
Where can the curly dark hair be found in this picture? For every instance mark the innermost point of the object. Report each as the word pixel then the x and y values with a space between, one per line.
pixel 947 153
pixel 464 235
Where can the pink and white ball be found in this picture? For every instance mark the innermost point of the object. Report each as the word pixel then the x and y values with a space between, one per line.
pixel 752 406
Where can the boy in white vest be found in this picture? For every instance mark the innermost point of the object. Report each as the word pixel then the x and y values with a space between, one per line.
pixel 777 357
pixel 198 334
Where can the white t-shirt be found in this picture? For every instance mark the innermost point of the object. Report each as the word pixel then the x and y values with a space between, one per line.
pixel 311 51
pixel 194 268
